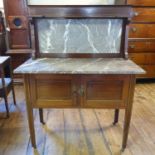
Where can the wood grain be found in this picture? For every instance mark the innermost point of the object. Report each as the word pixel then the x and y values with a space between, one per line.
pixel 143 58
pixel 142 31
pixel 141 46
pixel 142 34
pixel 141 2
pixel 150 71
pixel 18 37
pixel 14 132
pixel 144 15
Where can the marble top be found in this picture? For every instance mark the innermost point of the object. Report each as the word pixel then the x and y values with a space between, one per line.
pixel 79 66
pixel 3 59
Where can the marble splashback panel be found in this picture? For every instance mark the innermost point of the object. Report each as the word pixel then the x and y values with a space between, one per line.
pixel 79 35
pixel 71 2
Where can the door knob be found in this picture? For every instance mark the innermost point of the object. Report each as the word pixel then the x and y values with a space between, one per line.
pixel 81 91
pixel 134 29
pixel 136 14
pixel 132 46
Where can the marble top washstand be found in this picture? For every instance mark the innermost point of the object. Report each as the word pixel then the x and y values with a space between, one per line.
pixel 79 66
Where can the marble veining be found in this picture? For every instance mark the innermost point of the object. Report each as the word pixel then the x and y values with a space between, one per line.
pixel 79 66
pixel 71 2
pixel 79 35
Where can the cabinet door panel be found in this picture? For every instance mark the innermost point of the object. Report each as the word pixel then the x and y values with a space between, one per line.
pixel 53 91
pixel 105 91
pixel 17 42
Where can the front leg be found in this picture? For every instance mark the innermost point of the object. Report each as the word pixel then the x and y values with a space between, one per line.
pixel 128 112
pixel 29 110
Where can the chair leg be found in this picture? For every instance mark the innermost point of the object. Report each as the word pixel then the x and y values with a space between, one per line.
pixel 41 115
pixel 13 94
pixel 116 116
pixel 6 105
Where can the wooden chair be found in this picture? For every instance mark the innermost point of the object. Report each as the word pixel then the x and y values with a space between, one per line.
pixel 6 81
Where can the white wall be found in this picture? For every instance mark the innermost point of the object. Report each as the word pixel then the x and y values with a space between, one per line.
pixel 1 5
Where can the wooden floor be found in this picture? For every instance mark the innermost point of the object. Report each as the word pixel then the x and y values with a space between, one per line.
pixel 80 132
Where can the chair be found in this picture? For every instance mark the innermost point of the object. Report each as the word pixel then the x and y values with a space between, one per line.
pixel 6 81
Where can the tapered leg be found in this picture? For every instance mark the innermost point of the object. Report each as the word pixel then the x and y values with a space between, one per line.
pixel 29 111
pixel 116 116
pixel 128 112
pixel 13 94
pixel 126 128
pixel 6 105
pixel 31 126
pixel 41 116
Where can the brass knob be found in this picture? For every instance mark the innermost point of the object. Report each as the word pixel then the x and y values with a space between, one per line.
pixel 74 90
pixel 132 46
pixel 136 14
pixel 81 91
pixel 134 29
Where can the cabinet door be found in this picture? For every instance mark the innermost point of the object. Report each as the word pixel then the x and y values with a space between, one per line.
pixel 108 91
pixel 56 91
